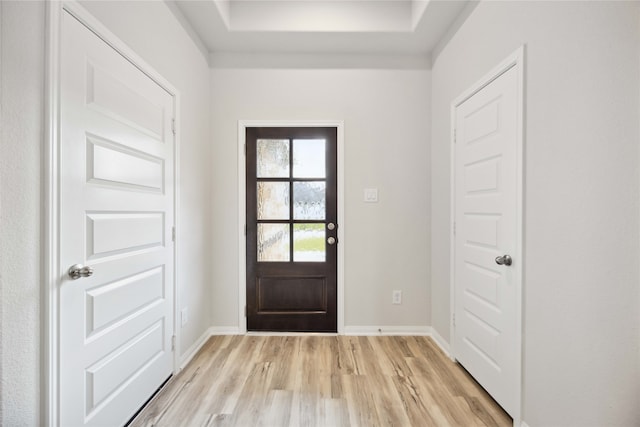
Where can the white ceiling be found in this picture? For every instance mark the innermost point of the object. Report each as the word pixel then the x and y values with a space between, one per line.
pixel 312 27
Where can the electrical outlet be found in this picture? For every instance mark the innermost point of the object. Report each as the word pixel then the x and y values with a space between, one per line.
pixel 396 297
pixel 184 316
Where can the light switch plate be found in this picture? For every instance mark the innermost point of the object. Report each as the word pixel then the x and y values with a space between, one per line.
pixel 371 195
pixel 396 297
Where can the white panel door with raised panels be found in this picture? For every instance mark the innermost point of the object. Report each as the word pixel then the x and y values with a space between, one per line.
pixel 116 216
pixel 486 228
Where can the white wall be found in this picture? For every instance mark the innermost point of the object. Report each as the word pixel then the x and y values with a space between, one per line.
pixel 21 132
pixel 581 356
pixel 386 115
pixel 150 29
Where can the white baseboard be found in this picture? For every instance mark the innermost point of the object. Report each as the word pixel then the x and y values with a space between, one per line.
pixel 193 350
pixel 441 342
pixel 213 330
pixel 289 334
pixel 387 330
pixel 426 331
pixel 225 330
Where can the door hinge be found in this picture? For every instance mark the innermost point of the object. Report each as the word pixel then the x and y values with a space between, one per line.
pixel 245 149
pixel 245 229
pixel 245 311
pixel 173 234
pixel 173 126
pixel 173 343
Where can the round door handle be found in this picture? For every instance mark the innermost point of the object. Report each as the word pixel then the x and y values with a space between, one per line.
pixel 504 260
pixel 331 226
pixel 77 271
pixel 332 240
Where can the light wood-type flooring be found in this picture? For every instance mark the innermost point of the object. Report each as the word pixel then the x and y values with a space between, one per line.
pixel 317 380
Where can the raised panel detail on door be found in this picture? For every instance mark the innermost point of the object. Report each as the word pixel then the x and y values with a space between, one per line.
pixel 113 97
pixel 116 165
pixel 111 303
pixel 483 121
pixel 280 294
pixel 481 283
pixel 482 338
pixel 118 369
pixel 482 175
pixel 482 230
pixel 116 233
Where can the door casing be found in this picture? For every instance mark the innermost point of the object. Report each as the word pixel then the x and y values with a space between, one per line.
pixel 515 60
pixel 51 200
pixel 242 264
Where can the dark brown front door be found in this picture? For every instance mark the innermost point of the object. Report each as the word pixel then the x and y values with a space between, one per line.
pixel 291 229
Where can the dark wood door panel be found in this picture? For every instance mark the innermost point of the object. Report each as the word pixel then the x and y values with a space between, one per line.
pixel 282 295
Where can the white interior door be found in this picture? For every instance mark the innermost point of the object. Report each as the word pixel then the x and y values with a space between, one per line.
pixel 116 216
pixel 486 205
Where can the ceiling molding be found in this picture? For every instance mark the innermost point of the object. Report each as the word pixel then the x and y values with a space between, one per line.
pixel 318 61
pixel 186 25
pixel 453 29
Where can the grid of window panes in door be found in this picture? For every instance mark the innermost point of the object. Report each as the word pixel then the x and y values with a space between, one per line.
pixel 291 200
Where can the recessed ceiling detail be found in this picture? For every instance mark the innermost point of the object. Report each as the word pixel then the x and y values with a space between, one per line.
pixel 393 28
pixel 321 15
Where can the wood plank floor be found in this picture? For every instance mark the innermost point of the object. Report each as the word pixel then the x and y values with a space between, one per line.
pixel 322 381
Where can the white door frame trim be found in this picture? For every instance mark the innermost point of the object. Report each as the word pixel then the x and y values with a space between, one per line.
pixel 242 267
pixel 517 61
pixel 51 198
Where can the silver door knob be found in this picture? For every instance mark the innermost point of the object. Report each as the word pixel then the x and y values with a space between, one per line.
pixel 504 260
pixel 331 240
pixel 331 226
pixel 77 271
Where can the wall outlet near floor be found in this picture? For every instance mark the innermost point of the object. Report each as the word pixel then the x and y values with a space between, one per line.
pixel 184 316
pixel 396 297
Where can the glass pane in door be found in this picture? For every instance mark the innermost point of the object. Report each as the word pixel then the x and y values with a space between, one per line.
pixel 272 158
pixel 309 157
pixel 273 242
pixel 309 243
pixel 309 200
pixel 273 200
